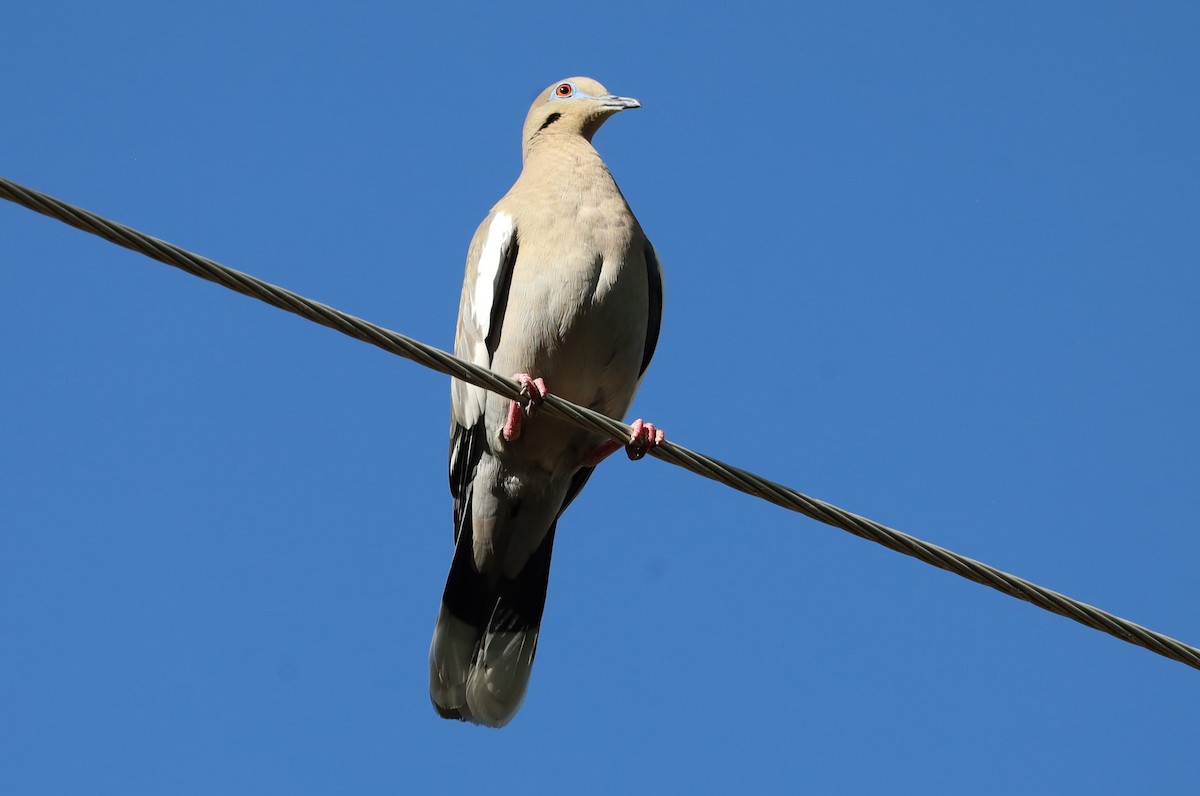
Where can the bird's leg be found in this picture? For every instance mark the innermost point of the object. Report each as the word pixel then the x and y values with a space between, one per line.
pixel 643 438
pixel 534 392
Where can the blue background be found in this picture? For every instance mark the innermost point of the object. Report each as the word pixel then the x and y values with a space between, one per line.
pixel 938 264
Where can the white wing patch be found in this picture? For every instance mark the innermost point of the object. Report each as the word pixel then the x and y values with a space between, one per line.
pixel 487 272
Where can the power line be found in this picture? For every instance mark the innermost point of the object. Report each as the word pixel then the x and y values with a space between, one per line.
pixel 698 463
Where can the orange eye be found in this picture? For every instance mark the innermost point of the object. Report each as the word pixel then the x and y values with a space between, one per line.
pixel 564 90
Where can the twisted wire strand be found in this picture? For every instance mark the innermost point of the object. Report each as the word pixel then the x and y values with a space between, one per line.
pixel 698 463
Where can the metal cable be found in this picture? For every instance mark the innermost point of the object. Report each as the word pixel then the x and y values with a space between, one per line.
pixel 593 421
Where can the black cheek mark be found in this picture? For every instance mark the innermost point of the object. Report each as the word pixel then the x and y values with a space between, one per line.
pixel 551 119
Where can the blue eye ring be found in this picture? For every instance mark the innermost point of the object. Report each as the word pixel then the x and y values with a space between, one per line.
pixel 564 90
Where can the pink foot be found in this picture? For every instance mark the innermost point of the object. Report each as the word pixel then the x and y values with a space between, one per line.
pixel 534 392
pixel 643 438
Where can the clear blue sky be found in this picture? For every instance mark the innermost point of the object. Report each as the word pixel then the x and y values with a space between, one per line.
pixel 939 265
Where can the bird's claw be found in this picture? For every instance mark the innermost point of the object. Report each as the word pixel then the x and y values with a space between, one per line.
pixel 533 394
pixel 533 391
pixel 643 438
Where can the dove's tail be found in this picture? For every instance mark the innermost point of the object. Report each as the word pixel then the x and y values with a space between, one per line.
pixel 486 637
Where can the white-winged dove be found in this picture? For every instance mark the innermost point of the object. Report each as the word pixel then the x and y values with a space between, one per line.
pixel 563 289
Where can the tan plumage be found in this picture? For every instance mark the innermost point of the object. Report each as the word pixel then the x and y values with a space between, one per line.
pixel 562 284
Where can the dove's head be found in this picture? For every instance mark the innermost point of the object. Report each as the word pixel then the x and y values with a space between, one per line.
pixel 575 106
